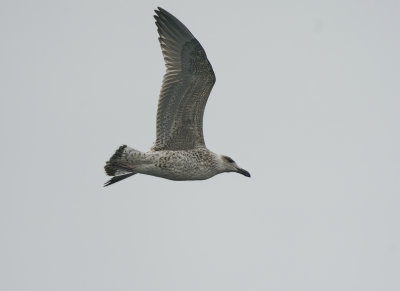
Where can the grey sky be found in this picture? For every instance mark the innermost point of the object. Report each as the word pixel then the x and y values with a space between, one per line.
pixel 306 99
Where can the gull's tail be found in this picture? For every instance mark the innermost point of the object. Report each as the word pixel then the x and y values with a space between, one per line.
pixel 121 164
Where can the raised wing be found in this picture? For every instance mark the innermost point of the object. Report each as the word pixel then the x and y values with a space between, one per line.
pixel 185 89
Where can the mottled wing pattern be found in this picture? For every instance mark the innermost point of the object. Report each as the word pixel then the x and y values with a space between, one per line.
pixel 185 89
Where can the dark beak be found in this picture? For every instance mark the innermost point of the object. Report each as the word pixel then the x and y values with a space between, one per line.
pixel 243 172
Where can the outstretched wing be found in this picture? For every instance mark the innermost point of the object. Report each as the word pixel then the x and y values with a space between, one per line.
pixel 185 89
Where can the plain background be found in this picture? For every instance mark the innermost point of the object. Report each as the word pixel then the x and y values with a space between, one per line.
pixel 306 100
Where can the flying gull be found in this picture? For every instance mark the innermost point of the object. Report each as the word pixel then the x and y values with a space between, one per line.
pixel 179 152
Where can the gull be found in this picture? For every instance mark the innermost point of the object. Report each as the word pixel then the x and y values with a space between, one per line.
pixel 179 152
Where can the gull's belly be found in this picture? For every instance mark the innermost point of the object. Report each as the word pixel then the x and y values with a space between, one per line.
pixel 182 165
pixel 186 173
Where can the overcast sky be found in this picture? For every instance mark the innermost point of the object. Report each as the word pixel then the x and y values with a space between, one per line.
pixel 306 100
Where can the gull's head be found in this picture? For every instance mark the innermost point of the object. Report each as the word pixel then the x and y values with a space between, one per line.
pixel 226 164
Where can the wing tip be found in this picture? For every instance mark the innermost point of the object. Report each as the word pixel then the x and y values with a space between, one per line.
pixel 117 179
pixel 160 11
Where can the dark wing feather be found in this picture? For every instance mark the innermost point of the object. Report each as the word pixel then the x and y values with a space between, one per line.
pixel 185 89
pixel 117 179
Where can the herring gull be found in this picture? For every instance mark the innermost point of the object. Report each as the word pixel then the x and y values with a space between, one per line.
pixel 179 152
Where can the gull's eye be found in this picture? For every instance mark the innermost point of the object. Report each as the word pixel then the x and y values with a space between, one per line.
pixel 229 160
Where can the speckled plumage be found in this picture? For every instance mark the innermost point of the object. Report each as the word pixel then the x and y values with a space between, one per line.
pixel 179 152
